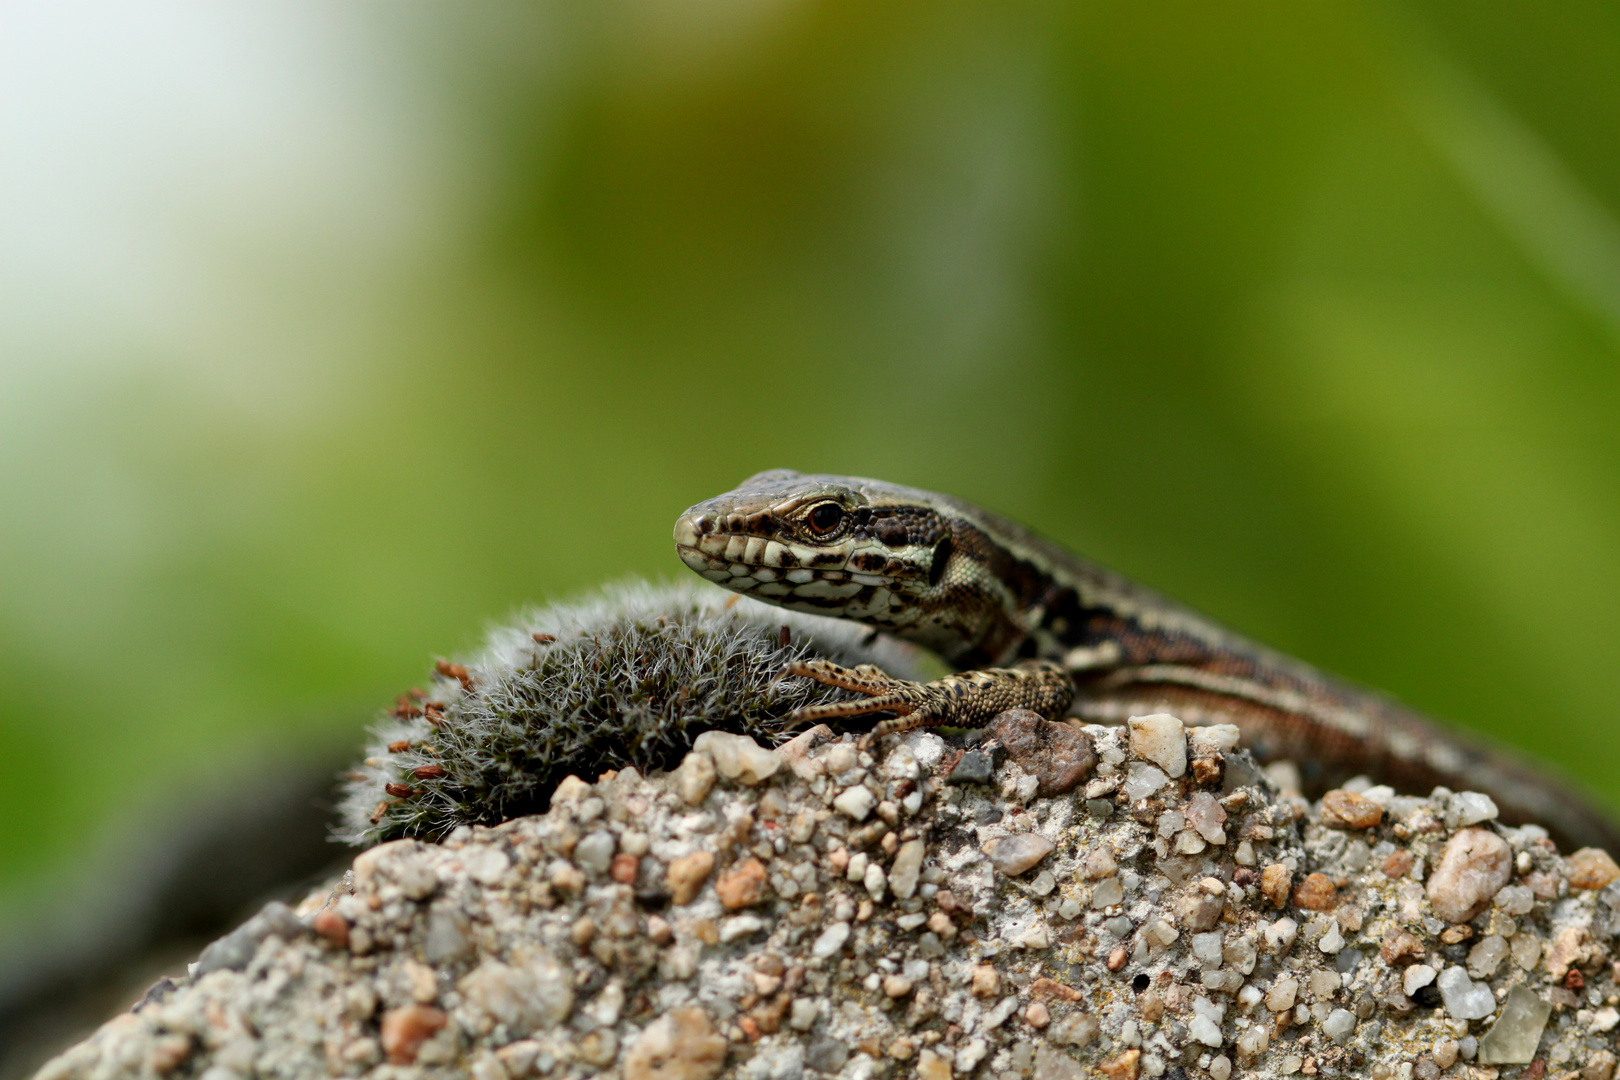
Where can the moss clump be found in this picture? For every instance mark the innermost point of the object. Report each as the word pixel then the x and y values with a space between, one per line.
pixel 627 678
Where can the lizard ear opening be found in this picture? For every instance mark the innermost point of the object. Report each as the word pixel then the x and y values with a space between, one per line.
pixel 942 557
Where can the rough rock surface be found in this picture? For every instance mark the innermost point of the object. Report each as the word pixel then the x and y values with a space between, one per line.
pixel 772 925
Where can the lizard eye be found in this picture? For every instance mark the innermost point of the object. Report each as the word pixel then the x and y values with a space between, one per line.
pixel 825 518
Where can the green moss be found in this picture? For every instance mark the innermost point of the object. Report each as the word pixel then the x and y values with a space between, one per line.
pixel 629 678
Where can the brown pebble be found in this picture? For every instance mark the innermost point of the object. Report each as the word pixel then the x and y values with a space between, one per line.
pixel 1037 1015
pixel 687 874
pixel 332 927
pixel 1345 810
pixel 624 868
pixel 986 981
pixel 931 1066
pixel 1601 1066
pixel 1117 958
pixel 741 886
pixel 1123 1067
pixel 1057 755
pixel 1591 868
pixel 1316 893
pixel 1207 771
pixel 1044 989
pixel 1276 881
pixel 1399 864
pixel 680 1045
pixel 1401 948
pixel 404 1031
pixel 1199 911
pixel 1476 864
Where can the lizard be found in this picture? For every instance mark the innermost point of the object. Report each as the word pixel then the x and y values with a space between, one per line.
pixel 1026 623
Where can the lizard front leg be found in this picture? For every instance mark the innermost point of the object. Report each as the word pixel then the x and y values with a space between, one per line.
pixel 968 699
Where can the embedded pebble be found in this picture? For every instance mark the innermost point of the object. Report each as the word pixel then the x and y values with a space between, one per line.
pixel 695 778
pixel 1012 855
pixel 856 802
pixel 405 1029
pixel 1487 955
pixel 1591 868
pixel 831 941
pixel 1347 810
pixel 1161 739
pixel 680 1045
pixel 487 866
pixel 1513 1039
pixel 1468 808
pixel 1416 978
pixel 737 757
pixel 1142 780
pixel 903 875
pixel 537 992
pixel 595 852
pixel 1339 1025
pixel 1057 755
pixel 1476 864
pixel 975 767
pixel 1465 999
pixel 742 885
pixel 687 874
pixel 1206 816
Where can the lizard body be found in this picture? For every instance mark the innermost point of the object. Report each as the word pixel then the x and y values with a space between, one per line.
pixel 983 592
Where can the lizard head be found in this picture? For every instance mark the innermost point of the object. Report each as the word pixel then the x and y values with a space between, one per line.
pixel 834 545
pixel 902 560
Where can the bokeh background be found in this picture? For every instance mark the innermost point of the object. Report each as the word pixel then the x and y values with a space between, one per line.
pixel 330 332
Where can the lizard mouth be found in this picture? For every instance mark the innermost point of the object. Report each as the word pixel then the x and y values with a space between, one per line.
pixel 769 567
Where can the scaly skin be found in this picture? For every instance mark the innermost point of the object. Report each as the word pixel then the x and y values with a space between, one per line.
pixel 984 592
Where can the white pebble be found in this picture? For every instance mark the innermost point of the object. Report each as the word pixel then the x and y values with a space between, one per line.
pixel 1465 999
pixel 856 802
pixel 738 757
pixel 1416 978
pixel 1142 780
pixel 1339 1025
pixel 1161 739
pixel 831 941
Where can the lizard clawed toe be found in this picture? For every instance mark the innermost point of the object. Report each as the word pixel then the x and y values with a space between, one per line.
pixel 969 699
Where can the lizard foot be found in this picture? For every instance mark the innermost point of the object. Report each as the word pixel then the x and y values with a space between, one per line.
pixel 968 699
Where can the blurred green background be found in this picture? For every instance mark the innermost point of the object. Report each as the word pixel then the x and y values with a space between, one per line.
pixel 331 332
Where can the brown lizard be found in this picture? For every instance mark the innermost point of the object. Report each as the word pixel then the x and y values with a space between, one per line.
pixel 1062 635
